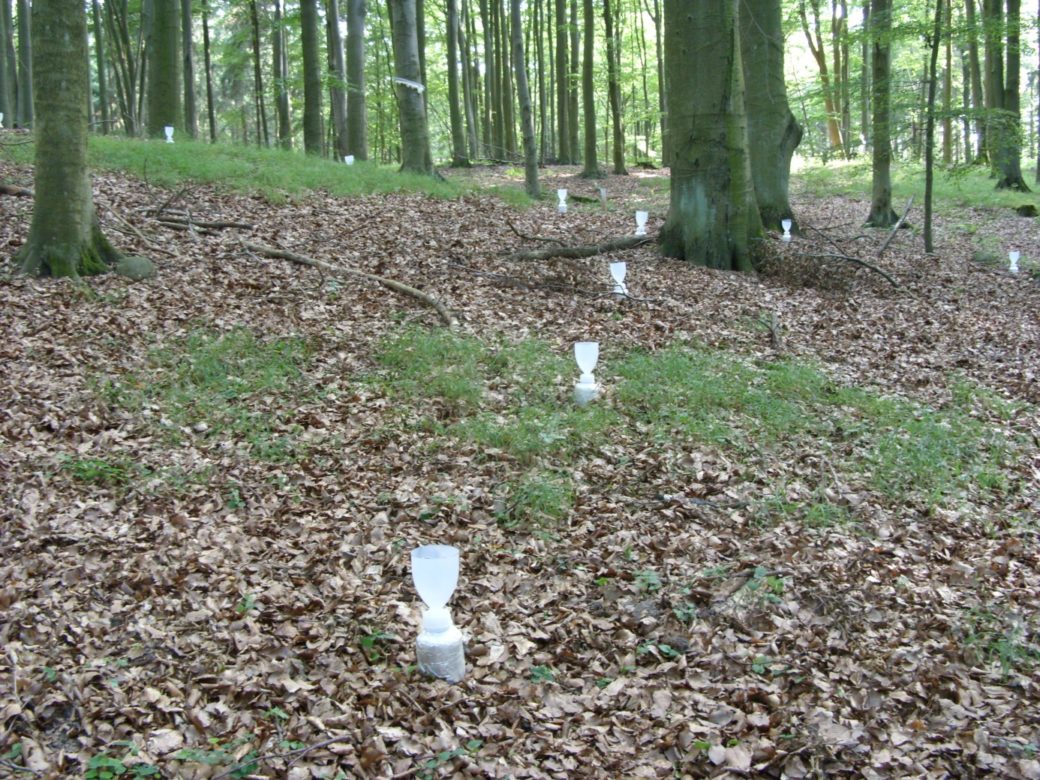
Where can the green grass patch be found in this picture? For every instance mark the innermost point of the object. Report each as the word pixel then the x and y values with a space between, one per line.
pixel 955 188
pixel 539 500
pixel 220 385
pixel 995 636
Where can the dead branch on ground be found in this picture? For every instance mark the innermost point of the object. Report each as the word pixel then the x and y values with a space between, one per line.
pixel 532 238
pixel 895 229
pixel 583 250
pixel 219 225
pixel 283 254
pixel 856 261
pixel 16 191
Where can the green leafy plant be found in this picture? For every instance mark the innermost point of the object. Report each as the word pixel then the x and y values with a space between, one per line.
pixel 649 580
pixel 537 500
pixel 371 645
pixel 541 674
pixel 429 768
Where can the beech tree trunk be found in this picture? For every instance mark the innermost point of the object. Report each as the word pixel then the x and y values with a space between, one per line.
pixel 524 94
pixel 263 138
pixel 102 65
pixel 337 79
pixel 280 68
pixel 881 213
pixel 978 99
pixel 312 120
pixel 24 98
pixel 415 138
pixel 773 132
pixel 191 115
pixel 8 66
pixel 588 96
pixel 164 68
pixel 210 113
pixel 1004 124
pixel 712 216
pixel 458 134
pixel 563 122
pixel 357 116
pixel 815 40
pixel 64 236
pixel 614 91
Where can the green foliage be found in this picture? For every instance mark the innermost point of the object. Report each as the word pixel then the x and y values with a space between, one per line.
pixel 537 500
pixel 998 636
pixel 220 754
pixel 429 768
pixel 107 472
pixel 541 674
pixel 371 645
pixel 103 766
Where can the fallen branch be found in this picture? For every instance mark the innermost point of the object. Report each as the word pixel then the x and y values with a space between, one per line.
pixel 583 250
pixel 283 254
pixel 857 261
pixel 532 238
pixel 208 225
pixel 16 191
pixel 899 224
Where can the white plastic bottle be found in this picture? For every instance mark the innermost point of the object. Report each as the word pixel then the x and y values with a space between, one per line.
pixel 439 648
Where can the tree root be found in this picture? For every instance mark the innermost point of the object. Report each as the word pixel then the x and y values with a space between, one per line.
pixel 283 254
pixel 583 250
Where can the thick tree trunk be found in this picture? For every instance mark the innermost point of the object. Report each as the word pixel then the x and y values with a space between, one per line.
pixel 712 216
pixel 614 91
pixel 588 95
pixel 1004 124
pixel 64 237
pixel 881 213
pixel 458 135
pixel 210 112
pixel 357 115
pixel 312 119
pixel 526 115
pixel 263 137
pixel 191 114
pixel 280 69
pixel 415 138
pixel 8 65
pixel 773 133
pixel 164 69
pixel 338 79
pixel 102 65
pixel 24 97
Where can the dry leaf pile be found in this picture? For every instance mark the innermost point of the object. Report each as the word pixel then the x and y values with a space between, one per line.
pixel 256 618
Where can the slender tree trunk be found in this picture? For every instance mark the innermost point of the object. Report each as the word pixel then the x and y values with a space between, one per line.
pixel 773 132
pixel 614 91
pixel 191 116
pixel 591 168
pixel 864 79
pixel 563 127
pixel 164 69
pixel 526 116
pixel 8 66
pixel 947 107
pixel 99 50
pixel 357 113
pixel 337 79
pixel 881 212
pixel 24 113
pixel 508 116
pixel 64 237
pixel 978 99
pixel 469 89
pixel 966 107
pixel 816 48
pixel 210 112
pixel 662 91
pixel 455 109
pixel 712 218
pixel 574 81
pixel 415 139
pixel 280 69
pixel 543 126
pixel 313 135
pixel 263 137
pixel 929 133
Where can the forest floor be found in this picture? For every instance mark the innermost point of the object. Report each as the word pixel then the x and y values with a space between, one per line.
pixel 811 549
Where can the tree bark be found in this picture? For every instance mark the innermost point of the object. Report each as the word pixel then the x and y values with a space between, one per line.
pixel 1004 124
pixel 263 137
pixel 280 69
pixel 8 65
pixel 524 94
pixel 881 213
pixel 573 82
pixel 24 98
pixel 64 236
pixel 210 113
pixel 102 65
pixel 458 135
pixel 191 114
pixel 338 79
pixel 815 40
pixel 773 132
pixel 164 69
pixel 563 126
pixel 415 138
pixel 312 119
pixel 712 216
pixel 469 88
pixel 614 91
pixel 588 95
pixel 978 98
pixel 929 133
pixel 357 116
pixel 947 113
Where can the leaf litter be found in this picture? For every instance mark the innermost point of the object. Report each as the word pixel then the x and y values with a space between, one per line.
pixel 236 601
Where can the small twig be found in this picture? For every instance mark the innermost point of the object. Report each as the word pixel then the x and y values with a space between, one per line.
pixel 133 228
pixel 176 196
pixel 532 238
pixel 295 754
pixel 899 224
pixel 857 261
pixel 16 768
